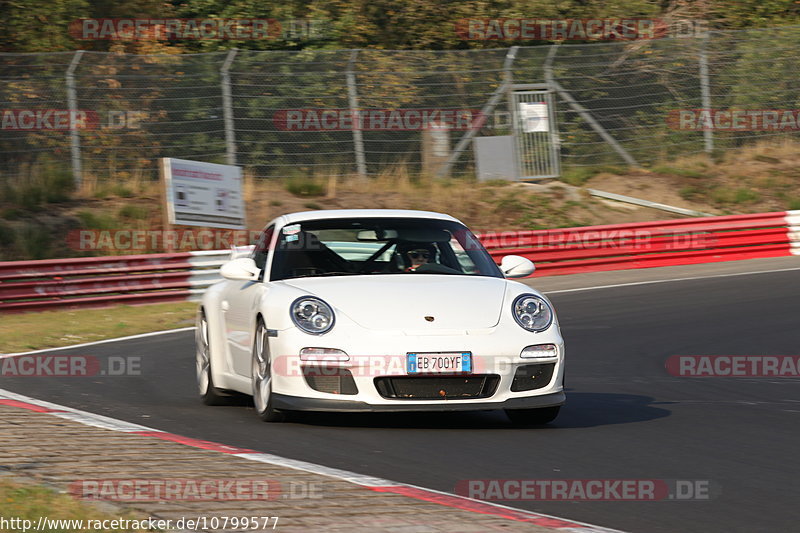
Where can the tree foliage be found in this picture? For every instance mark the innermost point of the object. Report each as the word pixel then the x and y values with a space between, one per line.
pixel 43 25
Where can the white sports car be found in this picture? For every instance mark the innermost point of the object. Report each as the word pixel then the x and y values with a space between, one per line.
pixel 378 310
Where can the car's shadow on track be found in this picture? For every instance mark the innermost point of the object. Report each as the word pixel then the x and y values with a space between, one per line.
pixel 583 409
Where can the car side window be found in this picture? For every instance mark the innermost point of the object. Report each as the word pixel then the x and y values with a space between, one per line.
pixel 262 250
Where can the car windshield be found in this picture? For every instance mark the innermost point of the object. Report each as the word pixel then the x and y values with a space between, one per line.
pixel 367 246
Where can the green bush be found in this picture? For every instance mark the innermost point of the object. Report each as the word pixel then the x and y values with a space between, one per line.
pixel 122 191
pixel 8 194
pixel 304 187
pixel 496 183
pixel 690 192
pixel 34 241
pixel 609 169
pixel 743 196
pixel 722 195
pixel 49 184
pixel 30 197
pixel 102 192
pixel 133 211
pixel 577 176
pixel 7 234
pixel 98 221
pixel 683 172
pixel 58 185
pixel 10 213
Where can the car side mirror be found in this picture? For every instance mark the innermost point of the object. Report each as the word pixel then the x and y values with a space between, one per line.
pixel 515 266
pixel 241 269
pixel 241 251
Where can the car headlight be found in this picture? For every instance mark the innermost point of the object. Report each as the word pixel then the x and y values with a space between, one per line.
pixel 532 312
pixel 312 315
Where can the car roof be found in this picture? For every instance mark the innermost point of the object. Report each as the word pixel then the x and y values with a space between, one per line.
pixel 326 214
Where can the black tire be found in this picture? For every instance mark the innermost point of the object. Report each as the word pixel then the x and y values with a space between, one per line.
pixel 261 375
pixel 209 394
pixel 533 417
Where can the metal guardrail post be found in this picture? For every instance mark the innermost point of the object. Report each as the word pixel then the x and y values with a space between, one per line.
pixel 227 106
pixel 582 111
pixel 352 96
pixel 74 135
pixel 488 108
pixel 705 92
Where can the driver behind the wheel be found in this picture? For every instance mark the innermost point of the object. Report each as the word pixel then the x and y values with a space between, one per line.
pixel 418 255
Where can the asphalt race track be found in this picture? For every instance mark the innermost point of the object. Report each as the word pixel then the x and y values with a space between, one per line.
pixel 625 418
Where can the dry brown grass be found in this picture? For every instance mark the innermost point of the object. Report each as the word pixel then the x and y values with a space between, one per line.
pixel 48 329
pixel 760 177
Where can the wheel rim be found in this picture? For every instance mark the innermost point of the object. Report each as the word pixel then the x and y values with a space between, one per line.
pixel 203 362
pixel 262 378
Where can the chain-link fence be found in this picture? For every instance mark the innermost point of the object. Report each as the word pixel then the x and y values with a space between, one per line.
pixel 282 114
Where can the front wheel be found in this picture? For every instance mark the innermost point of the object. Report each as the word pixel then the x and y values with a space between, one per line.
pixel 209 394
pixel 262 377
pixel 533 417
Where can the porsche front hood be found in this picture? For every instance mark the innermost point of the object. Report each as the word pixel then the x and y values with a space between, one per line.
pixel 403 301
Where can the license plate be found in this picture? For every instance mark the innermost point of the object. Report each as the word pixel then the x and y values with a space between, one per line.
pixel 439 363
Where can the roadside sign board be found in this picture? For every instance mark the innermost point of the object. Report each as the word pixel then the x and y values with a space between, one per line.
pixel 534 117
pixel 203 194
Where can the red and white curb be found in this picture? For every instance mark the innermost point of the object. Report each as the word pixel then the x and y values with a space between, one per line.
pixel 12 399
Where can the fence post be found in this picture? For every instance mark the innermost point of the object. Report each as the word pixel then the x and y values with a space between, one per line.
pixel 74 135
pixel 227 106
pixel 352 96
pixel 705 93
pixel 466 139
pixel 582 111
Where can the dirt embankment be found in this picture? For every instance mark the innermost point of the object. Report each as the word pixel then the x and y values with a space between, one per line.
pixel 36 218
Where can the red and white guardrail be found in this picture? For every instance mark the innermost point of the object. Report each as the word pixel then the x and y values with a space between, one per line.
pixel 102 281
pixel 136 279
pixel 651 244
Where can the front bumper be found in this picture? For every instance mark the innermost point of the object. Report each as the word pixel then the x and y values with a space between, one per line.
pixel 495 352
pixel 296 403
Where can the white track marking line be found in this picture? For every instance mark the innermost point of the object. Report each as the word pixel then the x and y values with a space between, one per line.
pixel 100 421
pixel 296 464
pixel 76 415
pixel 634 283
pixel 104 341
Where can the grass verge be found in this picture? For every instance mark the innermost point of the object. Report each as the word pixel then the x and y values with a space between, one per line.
pixel 51 329
pixel 25 501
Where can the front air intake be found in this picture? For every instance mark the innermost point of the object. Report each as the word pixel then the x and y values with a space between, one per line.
pixel 532 377
pixel 338 382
